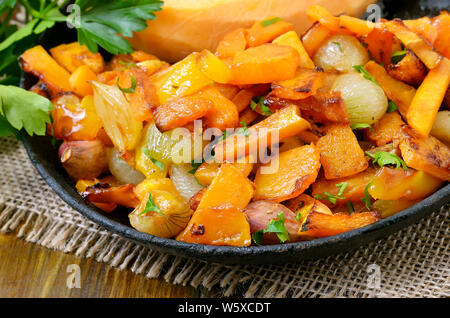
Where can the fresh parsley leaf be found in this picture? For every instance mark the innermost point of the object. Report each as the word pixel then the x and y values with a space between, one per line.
pixel 339 46
pixel 398 56
pixel 150 206
pixel 24 109
pixel 361 126
pixel 129 90
pixel 258 236
pixel 298 216
pixel 391 107
pixel 274 226
pixel 268 22
pixel 383 158
pixel 157 163
pixel 332 198
pixel 102 22
pixel 367 199
pixel 6 129
pixel 365 74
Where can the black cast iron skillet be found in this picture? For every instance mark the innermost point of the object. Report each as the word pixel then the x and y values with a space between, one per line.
pixel 44 157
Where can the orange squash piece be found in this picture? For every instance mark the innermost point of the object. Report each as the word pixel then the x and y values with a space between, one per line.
pixel 380 44
pixel 295 171
pixel 206 173
pixel 387 208
pixel 225 226
pixel 243 99
pixel 397 91
pixel 228 91
pixel 291 39
pixel 427 154
pixel 232 43
pixel 121 195
pixel 79 81
pixel 181 111
pixel 73 55
pixel 305 83
pixel 314 37
pixel 424 27
pixel 223 114
pixel 266 63
pixel 229 187
pixel 319 224
pixel 409 70
pixel 428 99
pixel 286 122
pixel 261 33
pixel 384 131
pixel 340 154
pixel 400 184
pixel 354 189
pixel 317 13
pixel 355 25
pixel 248 116
pixel 213 67
pixel 442 24
pixel 414 42
pixel 38 62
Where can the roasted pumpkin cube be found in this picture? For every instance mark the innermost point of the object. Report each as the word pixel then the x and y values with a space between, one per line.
pixel 384 131
pixel 225 225
pixel 73 55
pixel 340 154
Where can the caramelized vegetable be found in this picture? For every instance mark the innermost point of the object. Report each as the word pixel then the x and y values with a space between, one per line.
pixel 261 33
pixel 75 119
pixel 229 187
pixel 38 62
pixel 428 99
pixel 295 171
pixel 82 185
pixel 162 211
pixel 206 173
pixel 424 27
pixel 427 154
pixel 441 127
pixel 213 67
pixel 352 188
pixel 381 44
pixel 396 184
pixel 397 91
pixel 384 131
pixel 409 70
pixel 123 129
pixel 387 208
pixel 291 39
pixel 225 225
pixel 105 193
pixel 72 56
pixel 232 43
pixel 314 37
pixel 83 159
pixel 260 213
pixel 321 225
pixel 181 111
pixel 340 154
pixel 414 42
pixel 304 84
pixel 79 80
pixel 286 123
pixel 264 64
pixel 357 26
pixel 442 25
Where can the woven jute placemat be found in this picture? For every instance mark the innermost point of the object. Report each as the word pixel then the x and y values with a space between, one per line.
pixel 411 263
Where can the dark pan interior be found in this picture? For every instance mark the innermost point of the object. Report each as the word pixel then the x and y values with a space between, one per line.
pixel 44 157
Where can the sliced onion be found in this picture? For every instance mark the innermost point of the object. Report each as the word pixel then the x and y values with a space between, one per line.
pixel 365 101
pixel 341 53
pixel 123 172
pixel 441 127
pixel 184 181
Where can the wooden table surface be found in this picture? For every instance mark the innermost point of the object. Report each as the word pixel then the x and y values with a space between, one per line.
pixel 29 270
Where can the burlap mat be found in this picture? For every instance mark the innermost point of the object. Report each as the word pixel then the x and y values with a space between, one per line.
pixel 411 263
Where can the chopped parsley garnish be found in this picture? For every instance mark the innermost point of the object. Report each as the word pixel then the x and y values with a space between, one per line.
pixel 268 22
pixel 151 206
pixel 260 102
pixel 332 198
pixel 391 107
pixel 274 226
pixel 350 207
pixel 398 56
pixel 298 216
pixel 367 199
pixel 195 166
pixel 157 163
pixel 342 186
pixel 129 90
pixel 383 158
pixel 130 64
pixel 365 74
pixel 339 46
pixel 360 126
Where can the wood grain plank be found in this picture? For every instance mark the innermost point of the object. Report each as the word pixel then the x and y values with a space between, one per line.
pixel 28 270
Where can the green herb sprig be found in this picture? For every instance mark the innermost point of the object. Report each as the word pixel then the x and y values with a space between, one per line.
pixel 274 226
pixel 365 74
pixel 383 158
